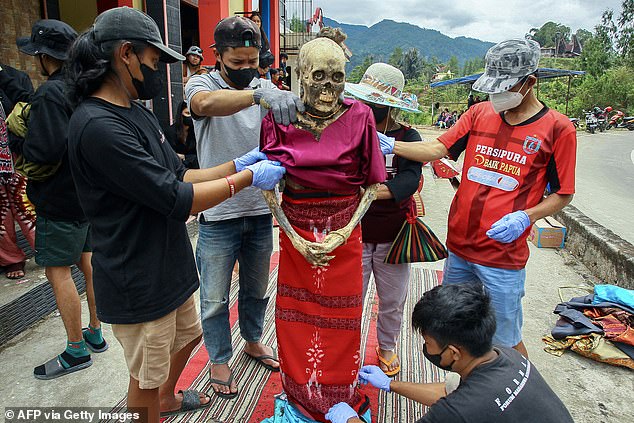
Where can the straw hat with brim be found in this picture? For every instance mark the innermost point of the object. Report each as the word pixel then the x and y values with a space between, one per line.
pixel 126 23
pixel 50 37
pixel 383 84
pixel 506 63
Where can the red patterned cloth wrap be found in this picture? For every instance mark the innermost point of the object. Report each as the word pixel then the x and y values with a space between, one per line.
pixel 318 309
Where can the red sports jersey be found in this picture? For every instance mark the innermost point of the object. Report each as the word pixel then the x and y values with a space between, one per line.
pixel 506 168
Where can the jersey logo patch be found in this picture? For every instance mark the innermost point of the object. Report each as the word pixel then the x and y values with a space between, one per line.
pixel 531 145
pixel 492 179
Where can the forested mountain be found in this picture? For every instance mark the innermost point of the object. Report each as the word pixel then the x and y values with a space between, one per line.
pixel 380 39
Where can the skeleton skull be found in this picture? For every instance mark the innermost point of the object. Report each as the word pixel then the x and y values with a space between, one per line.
pixel 322 75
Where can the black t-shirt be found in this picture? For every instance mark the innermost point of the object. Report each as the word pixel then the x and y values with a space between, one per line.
pixel 384 218
pixel 129 182
pixel 46 143
pixel 508 389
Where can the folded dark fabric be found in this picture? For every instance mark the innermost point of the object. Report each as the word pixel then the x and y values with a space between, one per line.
pixel 572 322
pixel 586 301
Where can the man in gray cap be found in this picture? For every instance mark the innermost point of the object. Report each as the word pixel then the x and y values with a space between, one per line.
pixel 193 63
pixel 62 230
pixel 514 146
pixel 228 107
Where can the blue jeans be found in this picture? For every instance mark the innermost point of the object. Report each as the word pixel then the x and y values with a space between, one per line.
pixel 249 240
pixel 504 286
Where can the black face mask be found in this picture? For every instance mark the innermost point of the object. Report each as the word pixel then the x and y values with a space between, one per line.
pixel 435 359
pixel 151 85
pixel 241 77
pixel 380 113
pixel 188 121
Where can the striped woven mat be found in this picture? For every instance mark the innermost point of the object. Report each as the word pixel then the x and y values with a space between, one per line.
pixel 257 386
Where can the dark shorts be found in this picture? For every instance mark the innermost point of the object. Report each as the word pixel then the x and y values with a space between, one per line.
pixel 60 243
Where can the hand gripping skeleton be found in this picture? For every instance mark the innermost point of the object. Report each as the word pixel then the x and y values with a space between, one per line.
pixel 321 69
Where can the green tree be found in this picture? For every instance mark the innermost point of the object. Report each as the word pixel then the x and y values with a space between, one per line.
pixel 583 35
pixel 596 56
pixel 411 64
pixel 549 33
pixel 358 71
pixel 297 25
pixel 620 31
pixel 396 58
pixel 453 66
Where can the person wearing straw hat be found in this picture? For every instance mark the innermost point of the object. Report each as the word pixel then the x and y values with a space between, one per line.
pixel 514 146
pixel 381 88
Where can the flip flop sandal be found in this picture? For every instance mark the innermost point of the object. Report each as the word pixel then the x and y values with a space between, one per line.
pixel 15 267
pixel 191 402
pixel 54 369
pixel 230 395
pixel 260 360
pixel 97 348
pixel 387 363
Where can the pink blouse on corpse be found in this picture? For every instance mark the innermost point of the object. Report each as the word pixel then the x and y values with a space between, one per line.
pixel 346 156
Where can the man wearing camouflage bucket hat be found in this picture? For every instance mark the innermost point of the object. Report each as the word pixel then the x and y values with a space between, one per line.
pixel 514 146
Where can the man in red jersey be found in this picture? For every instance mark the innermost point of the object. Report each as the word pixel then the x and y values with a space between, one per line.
pixel 514 146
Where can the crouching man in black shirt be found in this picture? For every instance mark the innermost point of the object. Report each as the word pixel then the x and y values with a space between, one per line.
pixel 498 385
pixel 137 195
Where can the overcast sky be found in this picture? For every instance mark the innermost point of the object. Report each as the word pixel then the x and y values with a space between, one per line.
pixel 488 20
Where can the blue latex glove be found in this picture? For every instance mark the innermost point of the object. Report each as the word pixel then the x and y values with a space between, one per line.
pixel 375 377
pixel 250 158
pixel 386 143
pixel 266 174
pixel 341 413
pixel 284 104
pixel 510 227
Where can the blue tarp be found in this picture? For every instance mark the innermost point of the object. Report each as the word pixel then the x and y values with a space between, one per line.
pixel 542 73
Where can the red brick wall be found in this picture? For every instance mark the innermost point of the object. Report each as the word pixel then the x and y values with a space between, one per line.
pixel 18 16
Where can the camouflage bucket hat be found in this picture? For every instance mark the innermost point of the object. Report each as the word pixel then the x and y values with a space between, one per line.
pixel 507 63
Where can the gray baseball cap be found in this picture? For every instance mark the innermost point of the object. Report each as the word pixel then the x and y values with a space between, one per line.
pixel 126 23
pixel 507 63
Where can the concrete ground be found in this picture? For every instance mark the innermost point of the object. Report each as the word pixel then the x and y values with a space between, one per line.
pixel 593 392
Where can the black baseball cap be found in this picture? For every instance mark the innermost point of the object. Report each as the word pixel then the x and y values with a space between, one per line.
pixel 266 59
pixel 237 31
pixel 50 37
pixel 126 23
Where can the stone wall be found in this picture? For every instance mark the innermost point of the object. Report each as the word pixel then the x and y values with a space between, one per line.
pixel 18 16
pixel 608 256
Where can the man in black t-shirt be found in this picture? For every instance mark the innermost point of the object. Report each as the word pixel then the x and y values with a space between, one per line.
pixel 498 385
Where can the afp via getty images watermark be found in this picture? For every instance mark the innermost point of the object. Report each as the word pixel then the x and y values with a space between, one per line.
pixel 72 414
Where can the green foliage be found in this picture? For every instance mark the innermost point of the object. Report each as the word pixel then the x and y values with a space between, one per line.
pixel 613 88
pixel 396 58
pixel 607 57
pixel 358 71
pixel 583 35
pixel 549 33
pixel 411 64
pixel 472 66
pixel 297 25
pixel 453 66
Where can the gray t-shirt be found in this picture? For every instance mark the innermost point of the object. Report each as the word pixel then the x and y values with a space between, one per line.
pixel 223 138
pixel 508 389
